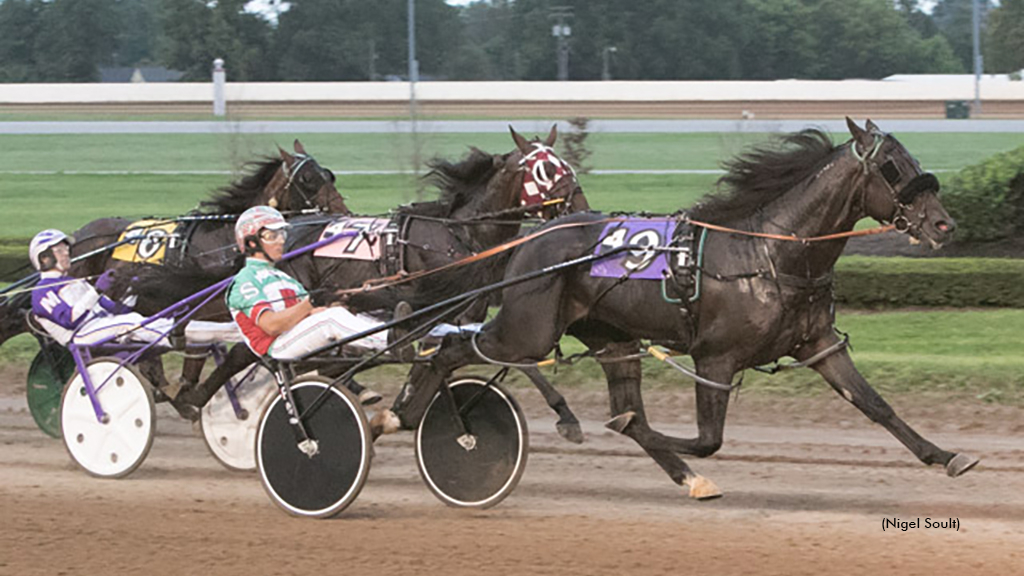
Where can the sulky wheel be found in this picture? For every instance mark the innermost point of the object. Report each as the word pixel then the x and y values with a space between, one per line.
pixel 480 468
pixel 114 446
pixel 230 435
pixel 50 370
pixel 324 483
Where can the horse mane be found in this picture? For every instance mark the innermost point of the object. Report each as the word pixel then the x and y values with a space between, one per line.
pixel 237 196
pixel 459 183
pixel 763 174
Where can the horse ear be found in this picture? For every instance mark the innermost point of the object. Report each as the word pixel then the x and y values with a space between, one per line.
pixel 299 148
pixel 521 142
pixel 858 133
pixel 871 126
pixel 285 156
pixel 552 136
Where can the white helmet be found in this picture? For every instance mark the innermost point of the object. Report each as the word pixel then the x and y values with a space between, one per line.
pixel 44 241
pixel 255 219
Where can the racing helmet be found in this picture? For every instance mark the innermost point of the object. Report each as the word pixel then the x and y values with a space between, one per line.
pixel 255 219
pixel 42 242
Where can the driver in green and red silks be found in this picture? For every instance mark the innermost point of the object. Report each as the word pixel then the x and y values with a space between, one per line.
pixel 274 311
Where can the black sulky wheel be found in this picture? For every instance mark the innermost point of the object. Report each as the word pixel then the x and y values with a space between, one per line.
pixel 477 468
pixel 324 484
pixel 51 369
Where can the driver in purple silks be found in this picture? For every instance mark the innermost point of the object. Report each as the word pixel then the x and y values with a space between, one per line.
pixel 73 311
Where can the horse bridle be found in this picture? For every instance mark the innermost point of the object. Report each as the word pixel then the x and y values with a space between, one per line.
pixel 308 199
pixel 892 175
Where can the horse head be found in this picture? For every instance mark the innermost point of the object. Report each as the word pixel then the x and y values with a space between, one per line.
pixel 543 178
pixel 896 190
pixel 302 184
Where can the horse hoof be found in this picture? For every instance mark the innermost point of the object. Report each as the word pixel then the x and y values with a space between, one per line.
pixel 702 489
pixel 384 422
pixel 960 463
pixel 619 423
pixel 571 432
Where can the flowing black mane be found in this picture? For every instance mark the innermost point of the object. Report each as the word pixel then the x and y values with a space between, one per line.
pixel 763 174
pixel 460 183
pixel 236 197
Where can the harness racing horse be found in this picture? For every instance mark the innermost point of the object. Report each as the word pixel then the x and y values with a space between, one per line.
pixel 484 199
pixel 203 239
pixel 760 298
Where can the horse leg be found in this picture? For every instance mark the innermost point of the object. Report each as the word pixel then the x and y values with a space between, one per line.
pixel 237 358
pixel 628 417
pixel 568 426
pixel 842 375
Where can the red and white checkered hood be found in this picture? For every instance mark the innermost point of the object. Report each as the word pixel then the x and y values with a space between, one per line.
pixel 539 180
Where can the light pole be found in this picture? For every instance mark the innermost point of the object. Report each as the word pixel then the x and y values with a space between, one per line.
pixel 976 33
pixel 414 73
pixel 605 71
pixel 561 31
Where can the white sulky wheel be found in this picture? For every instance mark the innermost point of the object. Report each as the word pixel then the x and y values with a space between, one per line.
pixel 480 468
pixel 117 446
pixel 232 440
pixel 324 479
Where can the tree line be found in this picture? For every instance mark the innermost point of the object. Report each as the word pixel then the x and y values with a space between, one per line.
pixel 324 40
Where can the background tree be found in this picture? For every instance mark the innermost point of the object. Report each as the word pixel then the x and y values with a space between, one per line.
pixel 954 18
pixel 73 39
pixel 195 32
pixel 19 23
pixel 1004 41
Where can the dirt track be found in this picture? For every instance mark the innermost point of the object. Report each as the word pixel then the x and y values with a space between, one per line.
pixel 807 482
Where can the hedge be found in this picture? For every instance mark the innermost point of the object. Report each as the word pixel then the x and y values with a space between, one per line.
pixel 987 199
pixel 872 282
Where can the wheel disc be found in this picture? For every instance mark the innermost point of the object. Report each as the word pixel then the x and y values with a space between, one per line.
pixel 117 447
pixel 50 370
pixel 325 484
pixel 230 439
pixel 480 470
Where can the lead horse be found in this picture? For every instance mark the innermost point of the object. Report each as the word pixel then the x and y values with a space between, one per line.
pixel 760 299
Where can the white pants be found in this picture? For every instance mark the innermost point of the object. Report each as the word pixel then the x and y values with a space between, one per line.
pixel 325 327
pixel 106 326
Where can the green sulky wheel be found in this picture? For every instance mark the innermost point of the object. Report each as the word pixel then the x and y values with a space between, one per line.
pixel 50 371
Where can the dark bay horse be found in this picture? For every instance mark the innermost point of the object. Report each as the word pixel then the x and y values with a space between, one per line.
pixel 290 182
pixel 483 201
pixel 760 299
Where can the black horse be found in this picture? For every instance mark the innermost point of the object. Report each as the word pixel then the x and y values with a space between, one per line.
pixel 483 203
pixel 759 298
pixel 290 182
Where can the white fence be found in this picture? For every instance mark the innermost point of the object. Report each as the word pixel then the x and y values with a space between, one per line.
pixel 956 88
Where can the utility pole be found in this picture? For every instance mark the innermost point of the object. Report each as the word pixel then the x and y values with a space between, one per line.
pixel 606 73
pixel 414 73
pixel 976 21
pixel 561 31
pixel 373 60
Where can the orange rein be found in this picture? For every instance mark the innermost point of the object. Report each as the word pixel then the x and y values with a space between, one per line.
pixel 837 236
pixel 401 277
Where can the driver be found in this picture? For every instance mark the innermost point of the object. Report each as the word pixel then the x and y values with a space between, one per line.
pixel 273 310
pixel 74 312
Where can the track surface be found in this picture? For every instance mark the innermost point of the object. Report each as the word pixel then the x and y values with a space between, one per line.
pixel 807 482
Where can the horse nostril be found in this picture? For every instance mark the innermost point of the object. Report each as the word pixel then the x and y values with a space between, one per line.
pixel 945 227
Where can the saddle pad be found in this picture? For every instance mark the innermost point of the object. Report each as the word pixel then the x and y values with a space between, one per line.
pixel 639 263
pixel 147 241
pixel 366 245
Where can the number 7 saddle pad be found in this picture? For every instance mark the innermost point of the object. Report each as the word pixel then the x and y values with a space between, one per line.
pixel 365 244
